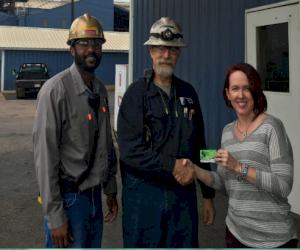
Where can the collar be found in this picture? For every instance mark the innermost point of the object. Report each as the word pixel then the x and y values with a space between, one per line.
pixel 152 88
pixel 80 86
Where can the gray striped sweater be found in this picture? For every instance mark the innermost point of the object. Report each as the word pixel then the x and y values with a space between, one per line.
pixel 259 215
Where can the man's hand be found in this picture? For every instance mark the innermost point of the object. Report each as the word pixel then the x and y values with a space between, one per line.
pixel 208 212
pixel 112 206
pixel 61 236
pixel 184 171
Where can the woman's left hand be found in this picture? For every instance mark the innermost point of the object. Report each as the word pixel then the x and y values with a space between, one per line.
pixel 226 160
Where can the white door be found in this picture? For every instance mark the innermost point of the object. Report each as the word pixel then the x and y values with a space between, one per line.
pixel 273 47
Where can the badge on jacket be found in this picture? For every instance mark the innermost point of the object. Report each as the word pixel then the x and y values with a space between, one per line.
pixel 185 101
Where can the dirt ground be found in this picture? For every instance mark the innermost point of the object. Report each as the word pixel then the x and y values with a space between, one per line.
pixel 21 216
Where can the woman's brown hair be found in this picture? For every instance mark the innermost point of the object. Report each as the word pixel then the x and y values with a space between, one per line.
pixel 259 98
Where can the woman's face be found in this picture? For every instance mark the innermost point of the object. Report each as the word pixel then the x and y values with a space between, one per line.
pixel 239 94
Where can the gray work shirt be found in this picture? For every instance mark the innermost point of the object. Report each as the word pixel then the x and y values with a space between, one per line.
pixel 63 135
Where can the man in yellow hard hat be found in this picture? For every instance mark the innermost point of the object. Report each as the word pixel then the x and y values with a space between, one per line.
pixel 73 148
pixel 159 123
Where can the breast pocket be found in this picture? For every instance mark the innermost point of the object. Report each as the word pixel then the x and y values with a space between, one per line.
pixel 156 125
pixel 187 126
pixel 75 128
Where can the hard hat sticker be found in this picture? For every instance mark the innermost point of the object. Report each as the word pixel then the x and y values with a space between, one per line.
pixel 85 26
pixel 91 31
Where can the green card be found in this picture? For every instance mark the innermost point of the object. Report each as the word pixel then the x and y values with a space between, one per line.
pixel 207 155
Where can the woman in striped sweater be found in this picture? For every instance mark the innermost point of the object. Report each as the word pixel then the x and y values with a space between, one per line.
pixel 255 167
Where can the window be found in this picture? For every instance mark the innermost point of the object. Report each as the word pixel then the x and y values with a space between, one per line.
pixel 273 56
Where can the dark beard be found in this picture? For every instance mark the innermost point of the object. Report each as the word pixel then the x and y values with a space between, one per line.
pixel 81 62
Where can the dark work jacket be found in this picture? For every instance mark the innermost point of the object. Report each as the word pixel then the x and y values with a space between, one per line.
pixel 150 134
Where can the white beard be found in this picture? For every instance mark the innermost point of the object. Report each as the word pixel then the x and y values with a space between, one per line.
pixel 163 71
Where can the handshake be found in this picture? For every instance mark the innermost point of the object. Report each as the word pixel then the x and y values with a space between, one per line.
pixel 184 171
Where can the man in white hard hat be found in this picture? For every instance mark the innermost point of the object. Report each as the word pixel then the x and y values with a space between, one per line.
pixel 160 123
pixel 73 149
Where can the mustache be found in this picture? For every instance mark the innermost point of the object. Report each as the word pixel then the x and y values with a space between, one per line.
pixel 165 61
pixel 92 54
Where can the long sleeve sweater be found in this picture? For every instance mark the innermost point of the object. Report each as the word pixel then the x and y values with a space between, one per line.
pixel 259 215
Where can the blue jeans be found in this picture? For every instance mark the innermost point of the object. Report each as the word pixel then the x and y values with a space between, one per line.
pixel 84 212
pixel 158 215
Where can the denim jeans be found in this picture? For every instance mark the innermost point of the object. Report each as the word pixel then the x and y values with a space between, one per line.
pixel 158 215
pixel 84 212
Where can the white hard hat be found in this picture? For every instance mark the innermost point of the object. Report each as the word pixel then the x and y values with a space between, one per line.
pixel 165 32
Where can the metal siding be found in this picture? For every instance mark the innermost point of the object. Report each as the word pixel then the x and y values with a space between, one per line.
pixel 214 33
pixel 58 61
pixel 6 19
pixel 104 10
pixel 106 70
pixel 49 39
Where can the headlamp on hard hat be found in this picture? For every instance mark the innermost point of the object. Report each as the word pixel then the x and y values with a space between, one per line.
pixel 166 35
pixel 165 32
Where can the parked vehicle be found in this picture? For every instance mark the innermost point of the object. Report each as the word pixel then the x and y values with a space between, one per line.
pixel 30 78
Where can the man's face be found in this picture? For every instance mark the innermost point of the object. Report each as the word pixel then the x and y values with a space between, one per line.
pixel 87 53
pixel 164 59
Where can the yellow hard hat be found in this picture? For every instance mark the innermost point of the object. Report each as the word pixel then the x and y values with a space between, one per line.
pixel 85 26
pixel 165 32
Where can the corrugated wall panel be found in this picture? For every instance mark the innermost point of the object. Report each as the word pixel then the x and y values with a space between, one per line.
pixel 58 61
pixel 61 17
pixel 6 19
pixel 106 70
pixel 214 32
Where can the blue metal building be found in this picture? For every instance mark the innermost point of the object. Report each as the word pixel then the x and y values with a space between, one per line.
pixel 40 45
pixel 58 61
pixel 214 31
pixel 37 15
pixel 7 19
pixel 55 15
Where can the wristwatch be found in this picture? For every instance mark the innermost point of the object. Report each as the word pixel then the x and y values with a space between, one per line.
pixel 244 171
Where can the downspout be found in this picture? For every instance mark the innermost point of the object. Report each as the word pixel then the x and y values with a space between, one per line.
pixel 130 52
pixel 299 15
pixel 2 70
